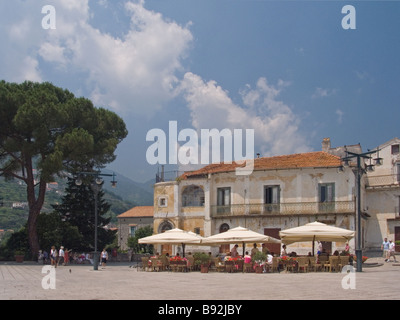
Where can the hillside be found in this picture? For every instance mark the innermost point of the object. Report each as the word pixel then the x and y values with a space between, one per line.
pixel 14 210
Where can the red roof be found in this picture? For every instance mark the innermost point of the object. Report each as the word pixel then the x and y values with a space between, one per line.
pixel 139 211
pixel 317 159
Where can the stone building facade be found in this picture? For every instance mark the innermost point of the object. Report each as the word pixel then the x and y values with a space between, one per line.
pixel 131 220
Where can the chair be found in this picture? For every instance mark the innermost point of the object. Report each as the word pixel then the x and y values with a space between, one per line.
pixel 173 266
pixel 145 263
pixel 334 263
pixel 239 265
pixel 312 264
pixel 181 265
pixel 275 264
pixel 220 266
pixel 190 264
pixel 165 262
pixel 324 262
pixel 344 261
pixel 229 266
pixel 156 264
pixel 302 263
pixel 248 267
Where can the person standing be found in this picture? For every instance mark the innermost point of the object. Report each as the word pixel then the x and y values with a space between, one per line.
pixel 385 248
pixel 104 257
pixel 61 255
pixel 234 252
pixel 54 256
pixel 254 250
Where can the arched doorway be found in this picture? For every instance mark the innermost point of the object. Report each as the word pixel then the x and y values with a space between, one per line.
pixel 164 226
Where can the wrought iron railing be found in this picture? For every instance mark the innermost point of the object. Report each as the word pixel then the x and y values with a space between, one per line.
pixel 383 180
pixel 283 208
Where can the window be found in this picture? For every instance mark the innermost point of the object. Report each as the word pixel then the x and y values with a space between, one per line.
pixel 395 149
pixel 271 194
pixel 132 230
pixel 197 230
pixel 223 199
pixel 326 196
pixel 271 198
pixel 224 196
pixel 193 196
pixel 162 202
pixel 398 172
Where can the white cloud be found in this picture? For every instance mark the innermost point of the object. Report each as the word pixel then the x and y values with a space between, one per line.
pixel 136 72
pixel 323 93
pixel 276 127
pixel 340 114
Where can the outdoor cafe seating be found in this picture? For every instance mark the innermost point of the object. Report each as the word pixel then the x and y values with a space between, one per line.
pixel 321 263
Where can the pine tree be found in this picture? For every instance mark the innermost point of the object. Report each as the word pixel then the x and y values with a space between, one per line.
pixel 78 209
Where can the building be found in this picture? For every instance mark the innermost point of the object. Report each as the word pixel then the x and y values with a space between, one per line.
pixel 282 192
pixel 131 220
pixel 383 196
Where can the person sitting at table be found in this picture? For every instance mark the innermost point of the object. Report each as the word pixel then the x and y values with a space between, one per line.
pixel 336 253
pixel 234 252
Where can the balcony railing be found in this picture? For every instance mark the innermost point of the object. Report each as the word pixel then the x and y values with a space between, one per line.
pixel 283 208
pixel 383 180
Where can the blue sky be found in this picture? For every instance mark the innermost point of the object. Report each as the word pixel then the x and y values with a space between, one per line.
pixel 286 69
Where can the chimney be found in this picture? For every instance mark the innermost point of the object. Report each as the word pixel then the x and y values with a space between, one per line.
pixel 326 144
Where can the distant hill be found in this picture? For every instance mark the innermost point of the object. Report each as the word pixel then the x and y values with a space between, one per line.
pixel 140 193
pixel 13 202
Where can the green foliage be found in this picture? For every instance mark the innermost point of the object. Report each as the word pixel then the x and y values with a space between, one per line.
pixel 48 128
pixel 77 208
pixel 259 257
pixel 133 242
pixel 201 258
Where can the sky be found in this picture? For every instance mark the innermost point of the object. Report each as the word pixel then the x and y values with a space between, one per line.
pixel 293 72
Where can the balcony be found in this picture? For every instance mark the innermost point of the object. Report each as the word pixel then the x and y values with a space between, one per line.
pixel 390 180
pixel 296 208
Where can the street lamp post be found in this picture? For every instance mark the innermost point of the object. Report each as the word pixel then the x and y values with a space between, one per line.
pixel 359 172
pixel 96 187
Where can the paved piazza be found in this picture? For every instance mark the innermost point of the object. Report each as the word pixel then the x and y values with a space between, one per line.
pixel 28 281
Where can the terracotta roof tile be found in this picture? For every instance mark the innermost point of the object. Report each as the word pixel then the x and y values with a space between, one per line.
pixel 139 211
pixel 317 159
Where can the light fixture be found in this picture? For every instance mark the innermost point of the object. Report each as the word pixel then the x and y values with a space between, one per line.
pixel 370 166
pixel 78 181
pixel 113 182
pixel 99 180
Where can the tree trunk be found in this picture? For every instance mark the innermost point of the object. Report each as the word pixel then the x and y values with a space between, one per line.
pixel 35 206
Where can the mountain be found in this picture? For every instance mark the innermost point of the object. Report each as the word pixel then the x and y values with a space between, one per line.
pixel 14 209
pixel 139 193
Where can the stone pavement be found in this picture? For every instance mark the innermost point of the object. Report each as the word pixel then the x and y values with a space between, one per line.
pixel 118 281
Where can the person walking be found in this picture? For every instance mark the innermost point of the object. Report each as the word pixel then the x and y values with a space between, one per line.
pixel 391 251
pixel 385 248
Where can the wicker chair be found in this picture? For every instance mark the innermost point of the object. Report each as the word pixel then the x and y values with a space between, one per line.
pixel 248 267
pixel 230 266
pixel 344 261
pixel 145 263
pixel 334 263
pixel 302 263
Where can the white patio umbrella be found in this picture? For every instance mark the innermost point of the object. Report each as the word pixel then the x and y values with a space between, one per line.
pixel 174 236
pixel 238 234
pixel 315 231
